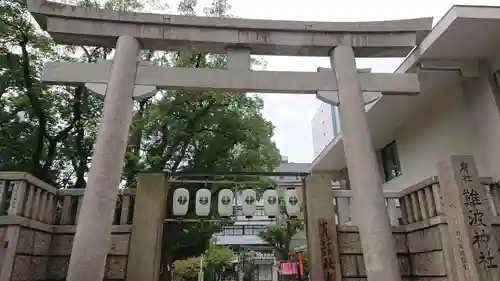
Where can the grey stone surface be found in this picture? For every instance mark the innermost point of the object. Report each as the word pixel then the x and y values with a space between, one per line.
pixel 404 265
pixel 428 264
pixel 353 265
pixel 425 240
pixel 374 226
pixel 360 265
pixel 29 268
pixel 33 242
pixel 116 267
pixel 90 246
pixel 42 241
pixel 348 265
pixel 496 232
pixel 119 244
pixel 201 79
pixel 21 268
pixel 461 191
pixel 83 26
pixel 401 243
pixel 26 241
pixel 147 228
pixel 427 279
pixel 58 267
pixel 62 244
pixel 38 268
pixel 318 206
pixel 350 243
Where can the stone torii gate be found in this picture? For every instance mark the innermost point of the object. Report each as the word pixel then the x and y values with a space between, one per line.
pixel 238 38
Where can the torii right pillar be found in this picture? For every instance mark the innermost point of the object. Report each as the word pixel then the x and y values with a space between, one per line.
pixel 375 231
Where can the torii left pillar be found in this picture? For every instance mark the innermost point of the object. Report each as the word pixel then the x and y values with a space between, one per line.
pixel 93 231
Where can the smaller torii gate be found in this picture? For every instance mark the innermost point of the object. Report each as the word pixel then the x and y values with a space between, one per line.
pixel 238 38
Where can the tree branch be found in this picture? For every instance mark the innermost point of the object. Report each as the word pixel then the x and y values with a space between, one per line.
pixel 37 108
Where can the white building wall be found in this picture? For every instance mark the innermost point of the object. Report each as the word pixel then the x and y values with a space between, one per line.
pixel 462 120
pixel 324 127
pixel 482 99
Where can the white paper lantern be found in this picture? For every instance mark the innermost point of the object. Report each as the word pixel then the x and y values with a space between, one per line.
pixel 271 205
pixel 203 200
pixel 180 202
pixel 249 202
pixel 225 206
pixel 292 203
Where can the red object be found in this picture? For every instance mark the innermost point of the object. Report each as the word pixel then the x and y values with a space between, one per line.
pixel 288 268
pixel 301 263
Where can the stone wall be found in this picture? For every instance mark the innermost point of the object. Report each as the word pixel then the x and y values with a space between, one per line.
pixel 116 264
pixel 496 230
pixel 425 246
pixel 3 250
pixel 420 254
pixel 351 256
pixel 43 255
pixel 32 257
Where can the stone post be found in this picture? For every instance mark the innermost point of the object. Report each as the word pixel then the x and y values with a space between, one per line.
pixel 344 210
pixel 12 232
pixel 88 257
pixel 468 214
pixel 375 231
pixel 147 228
pixel 321 229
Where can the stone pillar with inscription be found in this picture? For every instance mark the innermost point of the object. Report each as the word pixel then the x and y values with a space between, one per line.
pixel 475 249
pixel 147 228
pixel 321 230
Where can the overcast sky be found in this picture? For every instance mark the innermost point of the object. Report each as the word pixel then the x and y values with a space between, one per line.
pixel 292 114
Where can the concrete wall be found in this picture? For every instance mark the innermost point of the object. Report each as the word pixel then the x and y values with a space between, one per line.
pixel 462 120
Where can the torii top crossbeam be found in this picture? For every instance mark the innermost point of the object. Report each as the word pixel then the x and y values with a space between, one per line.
pixel 92 26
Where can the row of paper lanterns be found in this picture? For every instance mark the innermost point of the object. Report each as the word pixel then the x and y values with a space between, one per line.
pixel 225 199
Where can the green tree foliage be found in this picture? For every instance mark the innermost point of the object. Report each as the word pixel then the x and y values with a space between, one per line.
pixel 216 260
pixel 50 131
pixel 247 264
pixel 280 235
pixel 187 269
